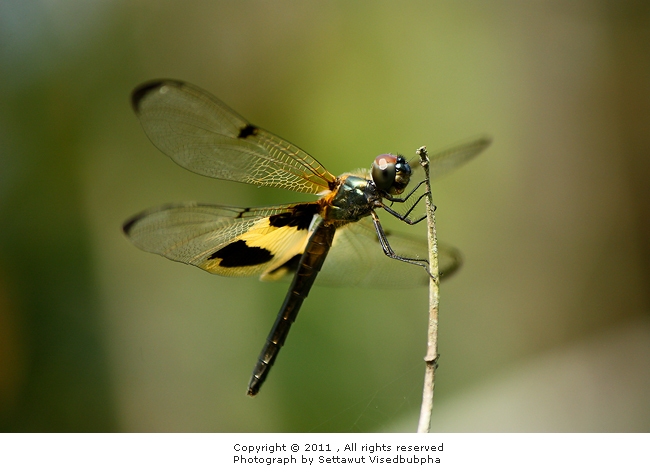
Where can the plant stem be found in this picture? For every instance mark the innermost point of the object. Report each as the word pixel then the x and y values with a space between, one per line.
pixel 434 298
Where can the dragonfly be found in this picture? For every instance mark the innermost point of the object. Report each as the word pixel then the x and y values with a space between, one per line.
pixel 286 242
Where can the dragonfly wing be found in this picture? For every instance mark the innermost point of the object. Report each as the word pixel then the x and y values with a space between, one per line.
pixel 447 160
pixel 357 259
pixel 204 135
pixel 222 240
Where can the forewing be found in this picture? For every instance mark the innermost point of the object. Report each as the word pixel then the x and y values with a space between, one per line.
pixel 357 259
pixel 223 240
pixel 202 134
pixel 447 160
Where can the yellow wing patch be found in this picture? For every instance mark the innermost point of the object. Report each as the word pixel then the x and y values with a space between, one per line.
pixel 260 250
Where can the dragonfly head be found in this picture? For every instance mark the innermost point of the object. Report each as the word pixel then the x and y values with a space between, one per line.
pixel 391 173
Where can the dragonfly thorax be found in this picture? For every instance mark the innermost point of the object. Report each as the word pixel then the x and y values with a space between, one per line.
pixel 354 199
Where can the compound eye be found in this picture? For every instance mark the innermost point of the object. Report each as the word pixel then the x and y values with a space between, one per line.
pixel 383 171
pixel 391 173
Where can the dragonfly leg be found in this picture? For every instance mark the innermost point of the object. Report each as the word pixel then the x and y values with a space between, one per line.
pixel 404 217
pixel 393 199
pixel 383 240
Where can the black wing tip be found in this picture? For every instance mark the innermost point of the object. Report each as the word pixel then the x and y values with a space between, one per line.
pixel 455 267
pixel 143 90
pixel 128 224
pixel 480 142
pixel 485 140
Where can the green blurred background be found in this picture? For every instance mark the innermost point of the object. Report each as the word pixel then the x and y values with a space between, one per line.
pixel 544 329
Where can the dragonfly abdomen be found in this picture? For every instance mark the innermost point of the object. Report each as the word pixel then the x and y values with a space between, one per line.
pixel 311 262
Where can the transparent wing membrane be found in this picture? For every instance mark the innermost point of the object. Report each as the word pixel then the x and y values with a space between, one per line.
pixel 449 159
pixel 357 259
pixel 204 135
